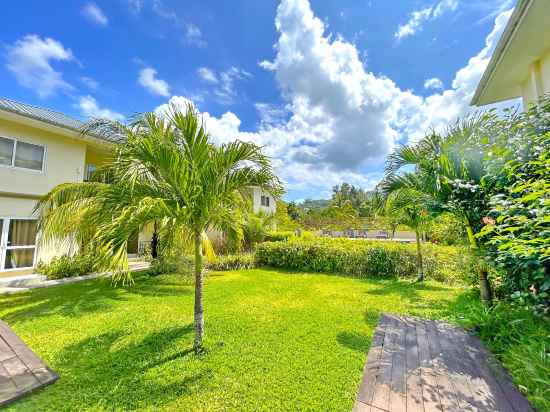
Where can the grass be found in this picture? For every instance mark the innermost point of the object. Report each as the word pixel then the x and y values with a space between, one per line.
pixel 275 340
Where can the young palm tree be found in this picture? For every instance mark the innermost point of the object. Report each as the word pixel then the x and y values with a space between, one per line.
pixel 165 170
pixel 410 207
pixel 447 166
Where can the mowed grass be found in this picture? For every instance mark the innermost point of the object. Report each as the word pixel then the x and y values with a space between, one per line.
pixel 276 341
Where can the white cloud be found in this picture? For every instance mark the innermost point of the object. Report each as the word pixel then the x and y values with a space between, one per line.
pixel 342 120
pixel 30 60
pixel 89 82
pixel 419 17
pixel 89 108
pixel 94 14
pixel 193 35
pixel 208 75
pixel 226 92
pixel 270 114
pixel 147 79
pixel 433 83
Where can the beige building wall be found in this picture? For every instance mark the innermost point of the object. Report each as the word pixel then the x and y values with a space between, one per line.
pixel 63 161
pixel 537 83
pixel 257 206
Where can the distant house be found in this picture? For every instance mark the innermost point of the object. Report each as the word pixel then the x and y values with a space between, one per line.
pixel 39 149
pixel 520 65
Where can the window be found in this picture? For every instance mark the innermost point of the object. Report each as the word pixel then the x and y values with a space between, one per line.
pixel 6 151
pixel 264 201
pixel 17 243
pixel 90 170
pixel 15 153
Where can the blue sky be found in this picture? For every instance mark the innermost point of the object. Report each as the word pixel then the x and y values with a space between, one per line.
pixel 327 87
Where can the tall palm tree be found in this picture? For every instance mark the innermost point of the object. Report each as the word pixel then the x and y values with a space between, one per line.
pixel 449 168
pixel 410 207
pixel 166 170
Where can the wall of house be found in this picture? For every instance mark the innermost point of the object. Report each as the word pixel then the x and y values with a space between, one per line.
pixel 257 194
pixel 537 82
pixel 63 161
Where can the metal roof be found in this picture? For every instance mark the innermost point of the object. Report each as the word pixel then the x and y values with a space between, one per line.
pixel 47 116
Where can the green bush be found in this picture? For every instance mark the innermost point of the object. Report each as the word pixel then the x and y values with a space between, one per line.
pixel 362 258
pixel 520 340
pixel 279 236
pixel 161 266
pixel 232 262
pixel 67 266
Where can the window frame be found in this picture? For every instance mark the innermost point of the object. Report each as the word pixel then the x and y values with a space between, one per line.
pixel 4 247
pixel 12 165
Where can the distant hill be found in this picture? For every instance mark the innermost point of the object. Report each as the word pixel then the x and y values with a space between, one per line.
pixel 314 204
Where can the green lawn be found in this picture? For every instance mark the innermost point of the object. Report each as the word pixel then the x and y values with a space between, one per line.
pixel 276 340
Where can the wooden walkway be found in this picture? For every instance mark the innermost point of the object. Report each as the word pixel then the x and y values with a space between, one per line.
pixel 421 365
pixel 21 371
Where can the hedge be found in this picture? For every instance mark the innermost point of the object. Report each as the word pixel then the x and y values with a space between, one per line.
pixel 363 258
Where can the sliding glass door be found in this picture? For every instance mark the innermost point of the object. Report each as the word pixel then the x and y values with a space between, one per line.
pixel 17 243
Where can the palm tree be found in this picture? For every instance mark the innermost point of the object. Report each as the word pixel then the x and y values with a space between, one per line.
pixel 410 207
pixel 448 167
pixel 166 170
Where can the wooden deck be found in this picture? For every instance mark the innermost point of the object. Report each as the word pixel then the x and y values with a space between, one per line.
pixel 421 365
pixel 21 371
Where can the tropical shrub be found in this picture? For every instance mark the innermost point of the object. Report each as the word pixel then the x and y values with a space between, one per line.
pixel 361 258
pixel 232 262
pixel 517 235
pixel 520 340
pixel 67 266
pixel 279 236
pixel 446 229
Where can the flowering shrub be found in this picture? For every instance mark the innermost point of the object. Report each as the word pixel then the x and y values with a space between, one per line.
pixel 363 258
pixel 518 232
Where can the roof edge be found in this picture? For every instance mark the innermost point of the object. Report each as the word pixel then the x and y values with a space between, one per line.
pixel 505 39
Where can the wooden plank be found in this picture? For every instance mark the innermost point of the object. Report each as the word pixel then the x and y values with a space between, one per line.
pixel 486 393
pixel 382 389
pixel 398 393
pixel 415 403
pixel 372 366
pixel 447 392
pixel 507 396
pixel 459 370
pixel 430 390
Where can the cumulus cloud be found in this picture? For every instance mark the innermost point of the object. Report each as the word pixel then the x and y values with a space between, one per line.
pixel 208 75
pixel 30 61
pixel 89 108
pixel 94 14
pixel 418 18
pixel 147 78
pixel 433 83
pixel 341 120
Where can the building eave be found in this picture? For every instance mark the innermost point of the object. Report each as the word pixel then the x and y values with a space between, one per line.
pixel 519 13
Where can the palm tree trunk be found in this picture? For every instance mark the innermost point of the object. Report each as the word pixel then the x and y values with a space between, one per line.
pixel 199 315
pixel 485 292
pixel 155 241
pixel 419 262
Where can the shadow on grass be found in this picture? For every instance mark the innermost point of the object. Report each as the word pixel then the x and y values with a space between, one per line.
pixel 105 370
pixel 81 298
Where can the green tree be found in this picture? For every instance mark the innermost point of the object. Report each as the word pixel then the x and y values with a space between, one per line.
pixel 165 170
pixel 410 207
pixel 449 167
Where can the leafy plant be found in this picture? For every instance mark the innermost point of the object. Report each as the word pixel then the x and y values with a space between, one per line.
pixel 239 261
pixel 362 258
pixel 166 170
pixel 67 266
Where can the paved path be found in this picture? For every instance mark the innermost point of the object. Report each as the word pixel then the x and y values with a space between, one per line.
pixel 421 365
pixel 21 371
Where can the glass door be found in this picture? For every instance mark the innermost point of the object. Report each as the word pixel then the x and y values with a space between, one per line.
pixel 17 243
